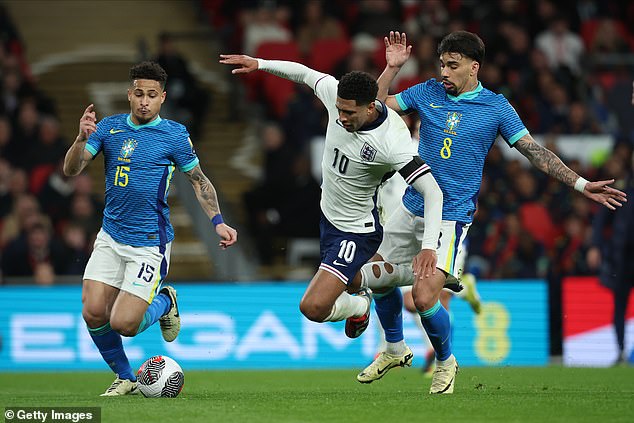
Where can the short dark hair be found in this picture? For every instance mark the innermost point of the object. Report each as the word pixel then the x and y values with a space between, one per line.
pixel 358 86
pixel 466 43
pixel 149 70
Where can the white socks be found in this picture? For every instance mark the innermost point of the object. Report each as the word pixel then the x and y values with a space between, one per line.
pixel 401 275
pixel 346 306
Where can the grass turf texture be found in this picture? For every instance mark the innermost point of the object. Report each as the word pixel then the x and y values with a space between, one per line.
pixel 552 394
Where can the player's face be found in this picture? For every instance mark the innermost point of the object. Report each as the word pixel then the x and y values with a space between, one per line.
pixel 146 97
pixel 459 73
pixel 351 116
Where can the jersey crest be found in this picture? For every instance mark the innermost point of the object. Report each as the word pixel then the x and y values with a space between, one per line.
pixel 127 149
pixel 451 124
pixel 368 153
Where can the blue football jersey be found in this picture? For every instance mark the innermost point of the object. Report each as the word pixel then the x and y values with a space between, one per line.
pixel 139 163
pixel 456 134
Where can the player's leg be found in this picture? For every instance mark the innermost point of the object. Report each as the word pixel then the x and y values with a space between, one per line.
pixel 326 299
pixel 102 279
pixel 470 292
pixel 433 314
pixel 398 248
pixel 146 268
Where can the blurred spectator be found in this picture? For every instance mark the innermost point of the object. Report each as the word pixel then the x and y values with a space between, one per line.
pixel 5 184
pixel 186 101
pixel 26 133
pixel 611 254
pixel 84 214
pixel 56 195
pixel 378 17
pixel 608 39
pixel 15 184
pixel 316 25
pixel 24 214
pixel 361 57
pixel 562 47
pixel 76 240
pixel 267 23
pixel 49 146
pixel 35 253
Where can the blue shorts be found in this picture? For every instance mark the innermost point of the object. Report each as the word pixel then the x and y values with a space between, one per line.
pixel 343 253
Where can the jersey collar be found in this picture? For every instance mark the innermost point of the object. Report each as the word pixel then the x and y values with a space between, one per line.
pixel 155 122
pixel 469 95
pixel 382 108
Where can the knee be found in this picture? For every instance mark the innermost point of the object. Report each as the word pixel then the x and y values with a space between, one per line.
pixel 424 302
pixel 124 327
pixel 314 311
pixel 94 317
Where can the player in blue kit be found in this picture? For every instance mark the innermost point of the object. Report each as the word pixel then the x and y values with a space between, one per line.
pixel 460 120
pixel 122 292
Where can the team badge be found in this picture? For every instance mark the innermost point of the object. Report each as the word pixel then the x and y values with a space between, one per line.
pixel 453 119
pixel 368 153
pixel 127 148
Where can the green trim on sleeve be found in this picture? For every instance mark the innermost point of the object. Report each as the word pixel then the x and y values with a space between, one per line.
pixel 190 165
pixel 517 136
pixel 91 149
pixel 400 102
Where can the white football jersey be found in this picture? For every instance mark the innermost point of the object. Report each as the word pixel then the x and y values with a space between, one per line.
pixel 354 163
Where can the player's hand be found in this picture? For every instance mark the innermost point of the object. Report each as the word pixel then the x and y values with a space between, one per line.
pixel 228 235
pixel 396 49
pixel 87 123
pixel 424 263
pixel 602 193
pixel 246 63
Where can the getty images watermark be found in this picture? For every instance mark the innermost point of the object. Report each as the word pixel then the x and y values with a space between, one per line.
pixel 53 414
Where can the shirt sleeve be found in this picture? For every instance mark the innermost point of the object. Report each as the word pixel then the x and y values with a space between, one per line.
pixel 184 154
pixel 95 141
pixel 511 126
pixel 407 99
pixel 326 90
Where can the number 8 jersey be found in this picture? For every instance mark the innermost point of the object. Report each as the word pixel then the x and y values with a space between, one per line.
pixel 456 134
pixel 139 163
pixel 354 163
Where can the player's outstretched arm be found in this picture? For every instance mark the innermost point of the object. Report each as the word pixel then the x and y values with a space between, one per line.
pixel 293 71
pixel 548 162
pixel 208 199
pixel 396 54
pixel 77 157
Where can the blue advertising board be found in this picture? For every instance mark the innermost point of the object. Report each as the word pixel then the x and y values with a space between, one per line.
pixel 259 326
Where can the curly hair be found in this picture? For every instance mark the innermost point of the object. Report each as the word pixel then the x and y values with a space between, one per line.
pixel 466 43
pixel 149 70
pixel 358 86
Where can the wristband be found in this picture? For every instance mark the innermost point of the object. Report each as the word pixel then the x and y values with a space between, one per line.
pixel 217 219
pixel 580 184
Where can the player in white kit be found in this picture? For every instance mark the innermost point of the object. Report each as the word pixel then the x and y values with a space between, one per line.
pixel 364 141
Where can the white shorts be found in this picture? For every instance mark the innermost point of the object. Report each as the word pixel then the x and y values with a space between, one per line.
pixel 137 270
pixel 403 237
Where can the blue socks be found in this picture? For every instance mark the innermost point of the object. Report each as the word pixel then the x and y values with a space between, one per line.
pixel 159 306
pixel 389 308
pixel 437 324
pixel 111 348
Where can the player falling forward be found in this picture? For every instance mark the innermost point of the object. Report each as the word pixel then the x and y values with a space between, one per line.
pixel 460 120
pixel 122 292
pixel 364 141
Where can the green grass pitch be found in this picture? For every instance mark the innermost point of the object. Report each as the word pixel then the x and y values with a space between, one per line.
pixel 505 394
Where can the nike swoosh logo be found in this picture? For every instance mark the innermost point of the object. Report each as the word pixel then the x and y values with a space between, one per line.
pixel 336 263
pixel 116 131
pixel 433 106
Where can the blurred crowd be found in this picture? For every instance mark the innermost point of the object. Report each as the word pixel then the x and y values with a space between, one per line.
pixel 565 66
pixel 46 219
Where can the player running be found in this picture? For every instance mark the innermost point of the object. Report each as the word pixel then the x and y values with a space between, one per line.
pixel 364 141
pixel 122 292
pixel 460 120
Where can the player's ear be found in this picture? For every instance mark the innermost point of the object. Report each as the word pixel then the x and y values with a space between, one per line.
pixel 475 67
pixel 163 96
pixel 129 94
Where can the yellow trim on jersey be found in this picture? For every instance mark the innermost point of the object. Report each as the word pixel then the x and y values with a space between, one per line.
pixel 169 179
pixel 451 254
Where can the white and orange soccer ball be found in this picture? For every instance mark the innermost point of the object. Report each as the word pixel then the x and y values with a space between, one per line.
pixel 160 376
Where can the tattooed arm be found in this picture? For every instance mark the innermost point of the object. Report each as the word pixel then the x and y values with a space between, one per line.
pixel 208 199
pixel 548 162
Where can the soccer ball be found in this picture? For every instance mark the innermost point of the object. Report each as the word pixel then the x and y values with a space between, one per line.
pixel 160 376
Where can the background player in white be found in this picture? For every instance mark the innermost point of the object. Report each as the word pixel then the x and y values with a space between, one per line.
pixel 122 292
pixel 364 141
pixel 460 120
